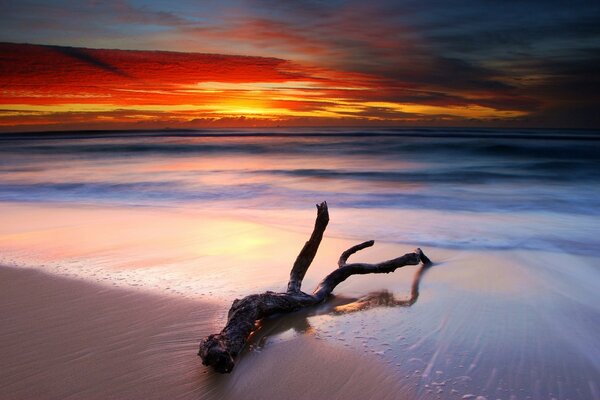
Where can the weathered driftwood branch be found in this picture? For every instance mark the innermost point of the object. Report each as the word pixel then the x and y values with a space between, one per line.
pixel 308 252
pixel 220 350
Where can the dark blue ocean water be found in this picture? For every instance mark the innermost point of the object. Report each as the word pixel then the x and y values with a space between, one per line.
pixel 537 188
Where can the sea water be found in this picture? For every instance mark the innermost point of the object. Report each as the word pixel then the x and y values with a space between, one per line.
pixel 510 217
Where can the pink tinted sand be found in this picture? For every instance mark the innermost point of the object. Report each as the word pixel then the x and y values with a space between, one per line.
pixel 131 290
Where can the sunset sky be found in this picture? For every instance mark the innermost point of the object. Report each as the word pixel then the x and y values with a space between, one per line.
pixel 190 64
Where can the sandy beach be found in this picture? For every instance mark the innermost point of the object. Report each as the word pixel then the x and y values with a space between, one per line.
pixel 68 339
pixel 509 324
pixel 118 265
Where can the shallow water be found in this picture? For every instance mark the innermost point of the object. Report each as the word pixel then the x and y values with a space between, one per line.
pixel 537 189
pixel 511 219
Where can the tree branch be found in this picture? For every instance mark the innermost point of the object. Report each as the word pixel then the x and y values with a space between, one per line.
pixel 339 275
pixel 220 350
pixel 352 250
pixel 308 252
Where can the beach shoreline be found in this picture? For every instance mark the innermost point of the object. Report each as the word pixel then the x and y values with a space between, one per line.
pixel 146 241
pixel 66 338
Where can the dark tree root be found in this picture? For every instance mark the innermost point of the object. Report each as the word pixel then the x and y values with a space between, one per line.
pixel 220 350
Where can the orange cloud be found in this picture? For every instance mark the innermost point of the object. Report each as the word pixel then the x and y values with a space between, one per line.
pixel 52 87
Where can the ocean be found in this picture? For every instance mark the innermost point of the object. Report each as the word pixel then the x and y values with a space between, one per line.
pixel 534 189
pixel 511 219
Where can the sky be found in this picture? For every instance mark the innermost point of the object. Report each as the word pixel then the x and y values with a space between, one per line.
pixel 132 64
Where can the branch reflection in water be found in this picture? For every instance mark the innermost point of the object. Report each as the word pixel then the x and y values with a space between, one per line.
pixel 298 322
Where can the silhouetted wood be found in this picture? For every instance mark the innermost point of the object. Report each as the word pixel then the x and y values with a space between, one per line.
pixel 220 350
pixel 308 252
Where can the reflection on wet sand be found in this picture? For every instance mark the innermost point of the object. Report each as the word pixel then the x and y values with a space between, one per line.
pixel 298 322
pixel 384 298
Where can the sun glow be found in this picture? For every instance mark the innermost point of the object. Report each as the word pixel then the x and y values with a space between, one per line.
pixel 88 88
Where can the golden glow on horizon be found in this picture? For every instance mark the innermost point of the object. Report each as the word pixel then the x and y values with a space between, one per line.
pixel 258 108
pixel 149 87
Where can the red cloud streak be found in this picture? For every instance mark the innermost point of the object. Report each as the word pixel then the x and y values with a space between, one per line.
pixel 52 87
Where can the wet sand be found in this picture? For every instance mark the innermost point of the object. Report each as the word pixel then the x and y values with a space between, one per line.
pixel 100 308
pixel 70 339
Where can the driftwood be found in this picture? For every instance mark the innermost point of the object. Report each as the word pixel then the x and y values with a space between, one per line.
pixel 220 350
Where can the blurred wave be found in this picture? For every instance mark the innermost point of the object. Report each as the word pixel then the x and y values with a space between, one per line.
pixel 549 174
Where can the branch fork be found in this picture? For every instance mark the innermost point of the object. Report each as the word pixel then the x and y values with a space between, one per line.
pixel 220 350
